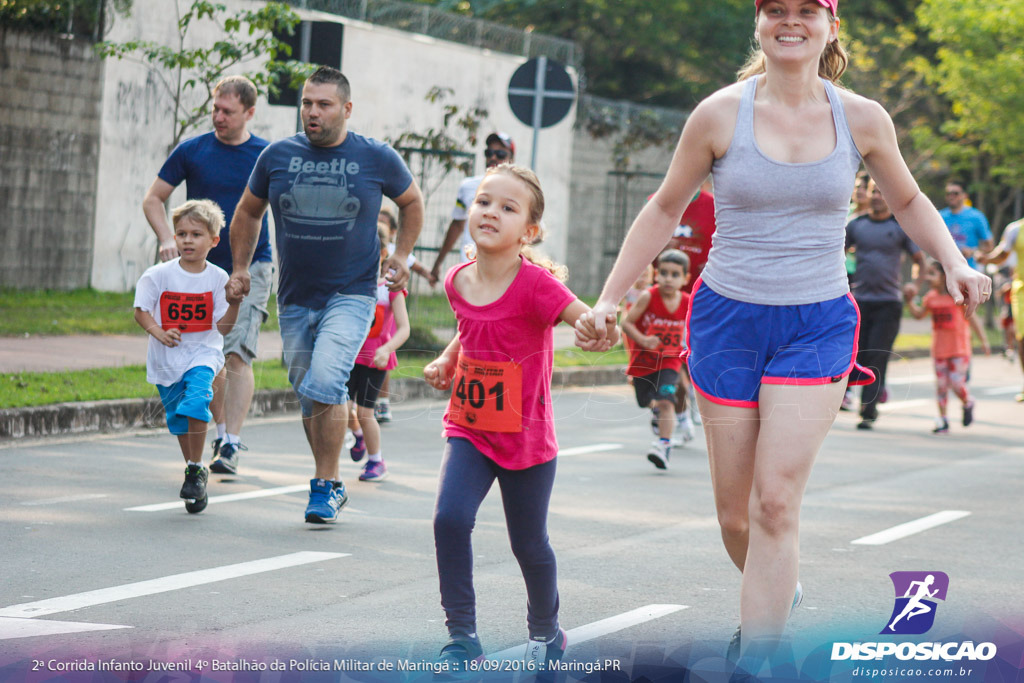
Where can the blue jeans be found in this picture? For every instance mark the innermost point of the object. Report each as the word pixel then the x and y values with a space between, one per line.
pixel 321 345
pixel 466 477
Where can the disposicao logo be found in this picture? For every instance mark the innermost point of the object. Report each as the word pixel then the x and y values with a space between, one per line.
pixel 913 613
pixel 916 595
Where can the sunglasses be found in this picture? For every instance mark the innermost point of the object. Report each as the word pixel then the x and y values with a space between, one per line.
pixel 496 153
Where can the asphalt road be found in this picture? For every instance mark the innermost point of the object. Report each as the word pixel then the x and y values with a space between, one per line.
pixel 100 561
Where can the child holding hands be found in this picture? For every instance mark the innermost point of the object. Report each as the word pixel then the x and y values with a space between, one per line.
pixel 499 422
pixel 951 342
pixel 187 305
pixel 389 331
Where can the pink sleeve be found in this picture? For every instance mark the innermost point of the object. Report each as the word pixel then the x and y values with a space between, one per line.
pixel 550 297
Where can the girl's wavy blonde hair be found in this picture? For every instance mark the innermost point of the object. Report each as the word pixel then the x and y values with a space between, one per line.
pixel 534 216
pixel 832 64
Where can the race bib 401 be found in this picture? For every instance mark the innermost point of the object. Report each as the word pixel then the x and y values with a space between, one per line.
pixel 487 395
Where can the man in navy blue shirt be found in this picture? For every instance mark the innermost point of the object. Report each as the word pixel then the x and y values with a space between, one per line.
pixel 325 187
pixel 217 166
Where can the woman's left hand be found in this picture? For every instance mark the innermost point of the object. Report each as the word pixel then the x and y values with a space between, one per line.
pixel 968 286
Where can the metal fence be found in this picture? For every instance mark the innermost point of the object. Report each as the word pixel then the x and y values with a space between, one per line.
pixel 439 179
pixel 626 193
pixel 430 21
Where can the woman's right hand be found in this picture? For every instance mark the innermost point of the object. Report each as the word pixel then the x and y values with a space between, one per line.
pixel 438 373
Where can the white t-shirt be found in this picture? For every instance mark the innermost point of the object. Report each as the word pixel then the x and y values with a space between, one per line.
pixel 409 262
pixel 188 300
pixel 463 200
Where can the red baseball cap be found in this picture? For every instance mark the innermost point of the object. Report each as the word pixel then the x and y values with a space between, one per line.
pixel 831 5
pixel 502 139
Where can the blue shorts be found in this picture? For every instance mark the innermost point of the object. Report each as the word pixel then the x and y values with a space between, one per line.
pixel 735 347
pixel 189 397
pixel 321 345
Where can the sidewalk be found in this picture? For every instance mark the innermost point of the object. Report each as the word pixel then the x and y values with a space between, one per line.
pixel 81 352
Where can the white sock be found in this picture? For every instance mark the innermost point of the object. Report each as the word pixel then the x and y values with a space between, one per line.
pixel 374 457
pixel 358 433
pixel 683 418
pixel 197 462
pixel 233 438
pixel 222 429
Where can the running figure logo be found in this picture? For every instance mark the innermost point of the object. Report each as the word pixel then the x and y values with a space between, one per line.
pixel 916 593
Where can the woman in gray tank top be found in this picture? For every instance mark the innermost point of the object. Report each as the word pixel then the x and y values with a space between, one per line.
pixel 772 329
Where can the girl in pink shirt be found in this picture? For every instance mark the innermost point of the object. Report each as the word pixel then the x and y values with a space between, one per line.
pixel 499 422
pixel 951 343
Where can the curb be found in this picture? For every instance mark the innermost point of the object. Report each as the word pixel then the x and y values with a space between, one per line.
pixel 93 417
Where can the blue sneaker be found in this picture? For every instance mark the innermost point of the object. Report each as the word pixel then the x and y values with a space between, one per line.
pixel 457 658
pixel 374 471
pixel 798 597
pixel 358 451
pixel 325 500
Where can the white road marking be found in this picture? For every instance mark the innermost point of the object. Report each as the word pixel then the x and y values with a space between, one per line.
pixel 900 405
pixel 1002 391
pixel 596 448
pixel 164 584
pixel 910 528
pixel 11 627
pixel 582 634
pixel 65 499
pixel 261 493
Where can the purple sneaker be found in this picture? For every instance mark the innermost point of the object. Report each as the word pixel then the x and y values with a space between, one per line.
pixel 374 471
pixel 359 450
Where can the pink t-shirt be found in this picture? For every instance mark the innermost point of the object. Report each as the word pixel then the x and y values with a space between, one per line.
pixel 951 333
pixel 517 328
pixel 383 328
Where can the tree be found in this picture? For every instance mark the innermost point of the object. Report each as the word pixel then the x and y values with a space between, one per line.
pixel 188 74
pixel 979 67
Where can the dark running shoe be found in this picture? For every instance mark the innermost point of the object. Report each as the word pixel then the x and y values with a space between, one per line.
pixel 358 450
pixel 941 426
pixel 968 413
pixel 226 461
pixel 457 658
pixel 194 487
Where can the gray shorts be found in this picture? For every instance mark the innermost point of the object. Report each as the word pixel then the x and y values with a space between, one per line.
pixel 243 339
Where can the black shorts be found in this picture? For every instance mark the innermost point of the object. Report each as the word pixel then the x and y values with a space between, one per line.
pixel 657 386
pixel 364 383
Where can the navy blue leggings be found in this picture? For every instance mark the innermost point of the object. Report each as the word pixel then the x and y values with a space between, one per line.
pixel 466 477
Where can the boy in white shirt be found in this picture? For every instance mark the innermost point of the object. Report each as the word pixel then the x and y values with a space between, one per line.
pixel 186 306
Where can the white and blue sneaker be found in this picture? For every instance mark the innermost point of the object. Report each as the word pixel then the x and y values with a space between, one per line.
pixel 326 498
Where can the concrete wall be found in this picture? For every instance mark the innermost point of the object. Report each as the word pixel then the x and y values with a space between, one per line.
pixel 50 91
pixel 391 72
pixel 593 205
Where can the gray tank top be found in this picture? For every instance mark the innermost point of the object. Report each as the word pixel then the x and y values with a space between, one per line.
pixel 781 227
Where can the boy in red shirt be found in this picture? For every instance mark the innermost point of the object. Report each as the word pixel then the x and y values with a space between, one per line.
pixel 656 324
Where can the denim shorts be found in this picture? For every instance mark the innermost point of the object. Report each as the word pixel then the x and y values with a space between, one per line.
pixel 189 397
pixel 321 345
pixel 243 338
pixel 735 347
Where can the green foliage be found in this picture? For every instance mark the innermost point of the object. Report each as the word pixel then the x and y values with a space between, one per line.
pixel 188 74
pixel 446 145
pixel 979 67
pixel 18 390
pixel 59 16
pixel 459 132
pixel 81 311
